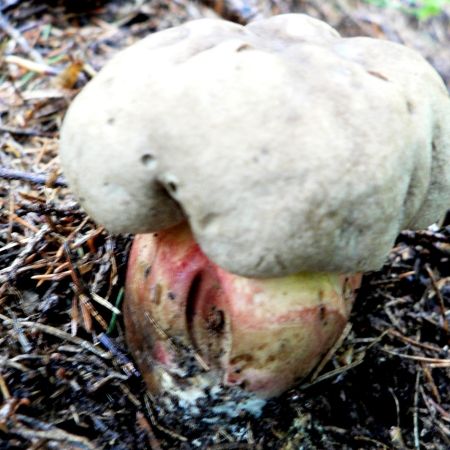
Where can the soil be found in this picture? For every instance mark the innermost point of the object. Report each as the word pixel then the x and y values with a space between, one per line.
pixel 67 380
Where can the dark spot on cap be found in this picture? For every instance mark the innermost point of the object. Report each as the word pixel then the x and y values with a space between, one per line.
pixel 149 161
pixel 378 75
pixel 172 187
pixel 244 47
pixel 410 106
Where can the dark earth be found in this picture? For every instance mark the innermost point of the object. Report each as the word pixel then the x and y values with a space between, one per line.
pixel 67 380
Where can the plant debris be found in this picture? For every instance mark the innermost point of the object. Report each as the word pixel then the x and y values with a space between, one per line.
pixel 66 378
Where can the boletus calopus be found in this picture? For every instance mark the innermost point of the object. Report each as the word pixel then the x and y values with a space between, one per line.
pixel 273 163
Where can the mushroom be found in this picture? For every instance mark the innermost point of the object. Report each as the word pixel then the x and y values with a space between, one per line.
pixel 292 154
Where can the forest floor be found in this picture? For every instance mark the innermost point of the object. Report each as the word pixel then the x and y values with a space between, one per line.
pixel 66 378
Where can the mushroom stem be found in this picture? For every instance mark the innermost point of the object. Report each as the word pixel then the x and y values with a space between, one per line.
pixel 204 336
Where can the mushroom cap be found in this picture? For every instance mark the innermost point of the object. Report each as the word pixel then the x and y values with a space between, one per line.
pixel 285 146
